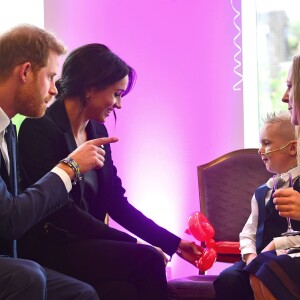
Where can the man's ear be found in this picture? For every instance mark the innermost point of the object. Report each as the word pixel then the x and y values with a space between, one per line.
pixel 24 71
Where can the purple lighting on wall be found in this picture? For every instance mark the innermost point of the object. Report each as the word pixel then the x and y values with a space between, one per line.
pixel 182 111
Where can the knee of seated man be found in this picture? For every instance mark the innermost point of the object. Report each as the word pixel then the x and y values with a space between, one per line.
pixel 87 292
pixel 30 273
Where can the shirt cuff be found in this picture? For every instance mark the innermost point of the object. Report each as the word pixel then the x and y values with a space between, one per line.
pixel 64 177
pixel 281 242
pixel 246 251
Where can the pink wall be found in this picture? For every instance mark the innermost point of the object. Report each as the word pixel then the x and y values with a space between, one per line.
pixel 182 112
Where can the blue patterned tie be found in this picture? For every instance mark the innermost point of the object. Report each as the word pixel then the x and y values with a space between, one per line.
pixel 11 141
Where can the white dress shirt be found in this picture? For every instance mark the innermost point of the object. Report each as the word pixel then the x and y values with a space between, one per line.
pixel 248 234
pixel 4 122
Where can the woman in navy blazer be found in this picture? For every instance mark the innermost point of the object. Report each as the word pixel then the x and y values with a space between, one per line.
pixel 75 240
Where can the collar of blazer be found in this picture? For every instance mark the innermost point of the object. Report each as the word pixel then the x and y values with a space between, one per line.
pixel 58 114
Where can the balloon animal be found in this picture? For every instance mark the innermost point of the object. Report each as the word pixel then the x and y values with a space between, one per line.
pixel 203 231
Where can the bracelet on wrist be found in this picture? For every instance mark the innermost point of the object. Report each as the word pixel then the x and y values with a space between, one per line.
pixel 69 161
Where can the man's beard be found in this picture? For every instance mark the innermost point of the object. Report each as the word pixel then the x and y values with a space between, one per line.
pixel 30 101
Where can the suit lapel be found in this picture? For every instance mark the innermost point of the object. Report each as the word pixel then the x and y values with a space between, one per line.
pixel 296 185
pixel 59 115
pixel 91 131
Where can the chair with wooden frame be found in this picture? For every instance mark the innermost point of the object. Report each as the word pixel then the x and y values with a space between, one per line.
pixel 226 186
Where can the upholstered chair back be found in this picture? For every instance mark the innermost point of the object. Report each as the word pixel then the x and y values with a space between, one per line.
pixel 226 186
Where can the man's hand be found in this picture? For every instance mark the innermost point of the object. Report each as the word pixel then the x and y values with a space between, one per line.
pixel 89 155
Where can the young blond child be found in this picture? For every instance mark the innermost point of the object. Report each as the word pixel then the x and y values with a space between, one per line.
pixel 278 151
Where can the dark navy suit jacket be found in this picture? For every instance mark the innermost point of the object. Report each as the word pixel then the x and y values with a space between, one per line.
pixel 18 214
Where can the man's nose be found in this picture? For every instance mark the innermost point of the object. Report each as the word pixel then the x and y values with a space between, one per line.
pixel 53 90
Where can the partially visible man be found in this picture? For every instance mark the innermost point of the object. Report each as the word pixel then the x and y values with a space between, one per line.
pixel 28 65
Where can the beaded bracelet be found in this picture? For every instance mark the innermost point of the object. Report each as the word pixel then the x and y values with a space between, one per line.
pixel 69 161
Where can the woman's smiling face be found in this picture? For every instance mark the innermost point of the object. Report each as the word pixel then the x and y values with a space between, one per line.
pixel 101 103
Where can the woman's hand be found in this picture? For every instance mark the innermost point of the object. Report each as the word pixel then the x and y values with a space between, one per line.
pixel 287 202
pixel 189 251
pixel 166 258
pixel 269 247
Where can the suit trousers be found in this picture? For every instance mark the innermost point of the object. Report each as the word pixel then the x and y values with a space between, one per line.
pixel 233 283
pixel 24 279
pixel 117 270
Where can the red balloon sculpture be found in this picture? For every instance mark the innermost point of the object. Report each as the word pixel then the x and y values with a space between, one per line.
pixel 203 231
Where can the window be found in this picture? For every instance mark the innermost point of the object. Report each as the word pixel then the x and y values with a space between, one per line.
pixel 14 12
pixel 271 35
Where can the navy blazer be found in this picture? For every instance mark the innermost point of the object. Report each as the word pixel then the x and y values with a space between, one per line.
pixel 18 214
pixel 51 139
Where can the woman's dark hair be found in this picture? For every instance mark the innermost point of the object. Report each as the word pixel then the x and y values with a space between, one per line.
pixel 92 66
